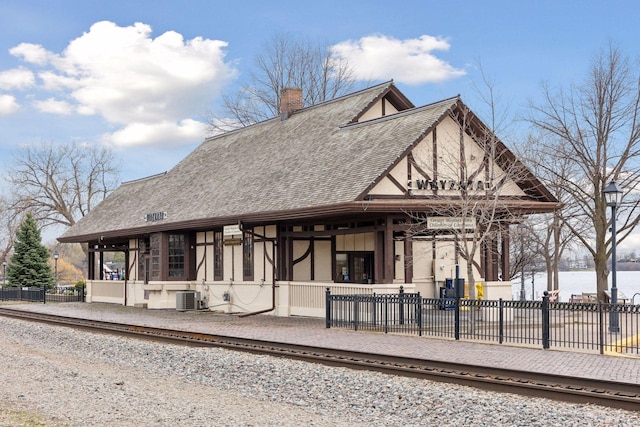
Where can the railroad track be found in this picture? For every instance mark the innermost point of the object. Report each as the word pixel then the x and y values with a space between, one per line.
pixel 571 389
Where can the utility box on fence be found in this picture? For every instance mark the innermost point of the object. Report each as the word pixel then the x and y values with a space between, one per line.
pixel 447 295
pixel 454 288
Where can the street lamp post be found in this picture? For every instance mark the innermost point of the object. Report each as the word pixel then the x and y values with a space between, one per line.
pixel 4 272
pixel 533 284
pixel 55 258
pixel 523 293
pixel 613 196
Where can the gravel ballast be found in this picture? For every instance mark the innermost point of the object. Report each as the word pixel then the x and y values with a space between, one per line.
pixel 56 376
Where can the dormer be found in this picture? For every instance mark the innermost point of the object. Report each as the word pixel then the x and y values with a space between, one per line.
pixel 389 102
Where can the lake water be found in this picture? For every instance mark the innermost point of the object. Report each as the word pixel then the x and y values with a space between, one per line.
pixel 576 282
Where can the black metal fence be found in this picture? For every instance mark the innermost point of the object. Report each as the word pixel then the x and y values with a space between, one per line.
pixel 35 294
pixel 592 327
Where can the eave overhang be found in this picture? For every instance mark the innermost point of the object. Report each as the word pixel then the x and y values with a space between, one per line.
pixel 513 205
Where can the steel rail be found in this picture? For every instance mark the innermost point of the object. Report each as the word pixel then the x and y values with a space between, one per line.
pixel 559 387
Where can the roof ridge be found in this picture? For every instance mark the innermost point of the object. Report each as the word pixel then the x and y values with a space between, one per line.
pixel 402 113
pixel 310 107
pixel 133 181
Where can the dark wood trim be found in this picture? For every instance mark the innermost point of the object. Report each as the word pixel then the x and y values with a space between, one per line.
pixel 289 259
pixel 389 258
pixel 506 243
pixel 130 265
pixel 399 204
pixel 434 159
pixel 91 267
pixel 397 184
pixel 304 255
pixel 378 257
pixel 408 258
pixel 421 172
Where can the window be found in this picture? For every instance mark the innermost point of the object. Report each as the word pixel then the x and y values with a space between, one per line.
pixel 143 259
pixel 247 255
pixel 218 253
pixel 354 267
pixel 154 250
pixel 176 247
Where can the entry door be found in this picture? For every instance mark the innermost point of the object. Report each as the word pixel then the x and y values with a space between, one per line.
pixel 363 267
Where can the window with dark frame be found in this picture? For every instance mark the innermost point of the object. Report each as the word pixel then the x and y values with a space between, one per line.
pixel 176 250
pixel 154 250
pixel 354 267
pixel 143 259
pixel 218 256
pixel 247 255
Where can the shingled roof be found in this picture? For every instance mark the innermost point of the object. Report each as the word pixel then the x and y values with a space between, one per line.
pixel 316 159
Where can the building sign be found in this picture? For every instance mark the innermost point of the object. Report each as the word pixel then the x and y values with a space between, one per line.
pixel 448 184
pixel 231 230
pixel 450 223
pixel 155 216
pixel 233 242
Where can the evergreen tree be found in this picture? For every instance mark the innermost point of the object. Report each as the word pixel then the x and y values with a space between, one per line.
pixel 30 261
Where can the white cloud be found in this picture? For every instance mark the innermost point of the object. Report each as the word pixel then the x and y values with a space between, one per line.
pixel 160 134
pixel 134 81
pixel 32 53
pixel 54 106
pixel 408 61
pixel 8 104
pixel 17 78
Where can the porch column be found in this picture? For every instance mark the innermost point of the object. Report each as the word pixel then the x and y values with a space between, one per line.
pixel 389 259
pixel 504 261
pixel 378 255
pixel 408 258
pixel 493 252
pixel 91 268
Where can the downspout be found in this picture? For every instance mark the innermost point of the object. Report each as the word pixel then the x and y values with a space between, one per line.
pixel 273 279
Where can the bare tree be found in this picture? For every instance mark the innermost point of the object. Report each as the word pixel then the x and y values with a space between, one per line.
pixel 59 184
pixel 9 221
pixel 595 128
pixel 549 234
pixel 285 61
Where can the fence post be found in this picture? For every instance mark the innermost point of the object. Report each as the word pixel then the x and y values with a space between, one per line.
pixel 356 311
pixel 545 320
pixel 327 304
pixel 501 320
pixel 386 314
pixel 401 305
pixel 419 313
pixel 601 321
pixel 44 294
pixel 456 318
pixel 375 309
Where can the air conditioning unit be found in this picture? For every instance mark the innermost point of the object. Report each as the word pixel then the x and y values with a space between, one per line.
pixel 187 300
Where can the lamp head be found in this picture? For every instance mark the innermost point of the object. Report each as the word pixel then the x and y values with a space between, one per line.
pixel 612 194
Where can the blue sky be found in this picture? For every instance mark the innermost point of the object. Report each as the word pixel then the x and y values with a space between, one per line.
pixel 139 75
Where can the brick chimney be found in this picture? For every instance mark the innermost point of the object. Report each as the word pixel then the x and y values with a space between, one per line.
pixel 290 101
